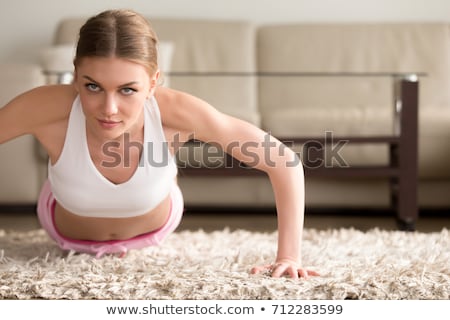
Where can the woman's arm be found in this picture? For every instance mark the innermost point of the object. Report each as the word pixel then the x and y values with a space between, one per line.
pixel 251 145
pixel 14 121
pixel 31 111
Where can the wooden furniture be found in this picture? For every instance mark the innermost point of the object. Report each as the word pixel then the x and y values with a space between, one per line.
pixel 402 169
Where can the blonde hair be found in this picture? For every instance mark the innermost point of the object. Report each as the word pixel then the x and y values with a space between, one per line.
pixel 119 33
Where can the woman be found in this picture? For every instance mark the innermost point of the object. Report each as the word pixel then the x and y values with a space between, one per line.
pixel 107 135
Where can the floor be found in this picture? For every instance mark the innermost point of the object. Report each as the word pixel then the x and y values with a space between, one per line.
pixel 429 221
pixel 265 221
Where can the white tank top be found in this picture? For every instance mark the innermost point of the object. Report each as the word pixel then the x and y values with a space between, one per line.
pixel 80 188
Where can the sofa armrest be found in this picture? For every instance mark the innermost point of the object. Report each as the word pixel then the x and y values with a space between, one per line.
pixel 21 172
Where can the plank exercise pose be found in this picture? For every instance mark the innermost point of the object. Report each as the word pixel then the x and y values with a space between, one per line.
pixel 103 196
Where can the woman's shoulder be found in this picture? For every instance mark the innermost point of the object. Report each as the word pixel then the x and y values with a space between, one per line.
pixel 36 109
pixel 48 104
pixel 181 110
pixel 55 98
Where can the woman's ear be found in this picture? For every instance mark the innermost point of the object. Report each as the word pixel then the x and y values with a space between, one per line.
pixel 154 82
pixel 74 80
pixel 154 79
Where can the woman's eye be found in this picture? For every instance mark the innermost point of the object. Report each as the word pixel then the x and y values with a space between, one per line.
pixel 128 91
pixel 92 87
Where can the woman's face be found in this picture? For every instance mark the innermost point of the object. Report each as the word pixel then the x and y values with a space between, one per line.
pixel 113 92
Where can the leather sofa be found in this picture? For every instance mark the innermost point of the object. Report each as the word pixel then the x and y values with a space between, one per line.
pixel 222 62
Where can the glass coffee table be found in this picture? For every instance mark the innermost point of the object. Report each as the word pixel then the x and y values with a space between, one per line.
pixel 402 168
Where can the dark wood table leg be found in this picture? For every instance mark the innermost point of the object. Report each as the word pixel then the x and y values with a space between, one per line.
pixel 407 206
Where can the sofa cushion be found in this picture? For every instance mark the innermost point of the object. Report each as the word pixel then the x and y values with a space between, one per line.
pixel 165 55
pixel 434 143
pixel 57 63
pixel 390 48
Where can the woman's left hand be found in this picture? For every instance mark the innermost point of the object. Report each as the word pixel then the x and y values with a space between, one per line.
pixel 284 267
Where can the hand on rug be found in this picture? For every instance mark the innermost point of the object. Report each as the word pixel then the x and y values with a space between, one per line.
pixel 284 267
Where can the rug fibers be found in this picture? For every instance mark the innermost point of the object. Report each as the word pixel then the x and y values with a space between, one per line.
pixel 353 264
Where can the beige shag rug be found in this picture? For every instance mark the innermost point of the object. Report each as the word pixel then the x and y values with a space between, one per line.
pixel 198 265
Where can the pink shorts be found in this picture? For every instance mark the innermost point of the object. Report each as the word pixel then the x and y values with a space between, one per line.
pixel 46 215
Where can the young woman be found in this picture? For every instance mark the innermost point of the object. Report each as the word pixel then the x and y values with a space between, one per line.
pixel 111 177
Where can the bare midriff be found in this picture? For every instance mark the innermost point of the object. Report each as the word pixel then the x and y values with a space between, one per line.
pixel 78 227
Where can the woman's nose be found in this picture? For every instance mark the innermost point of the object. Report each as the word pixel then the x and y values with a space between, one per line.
pixel 110 106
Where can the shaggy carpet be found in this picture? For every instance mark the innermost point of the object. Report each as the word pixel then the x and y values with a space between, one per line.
pixel 374 264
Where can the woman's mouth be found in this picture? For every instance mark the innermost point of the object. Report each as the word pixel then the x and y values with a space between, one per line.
pixel 108 124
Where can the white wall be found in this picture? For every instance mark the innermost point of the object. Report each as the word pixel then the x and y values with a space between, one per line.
pixel 27 25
